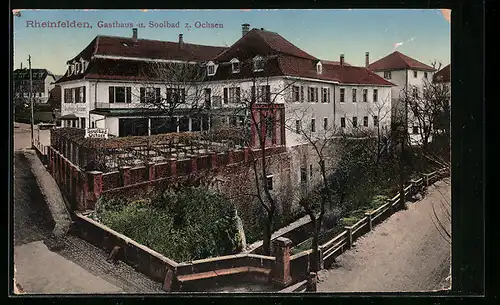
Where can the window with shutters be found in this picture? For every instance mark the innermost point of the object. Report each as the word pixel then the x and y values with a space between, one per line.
pixel 150 95
pixel 232 95
pixel 262 94
pixel 120 94
pixel 176 95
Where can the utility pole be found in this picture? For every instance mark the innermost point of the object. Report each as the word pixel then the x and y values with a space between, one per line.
pixel 31 101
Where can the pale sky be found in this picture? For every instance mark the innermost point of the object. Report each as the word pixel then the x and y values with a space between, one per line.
pixel 423 34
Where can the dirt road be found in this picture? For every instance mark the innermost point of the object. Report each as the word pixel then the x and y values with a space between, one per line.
pixel 404 253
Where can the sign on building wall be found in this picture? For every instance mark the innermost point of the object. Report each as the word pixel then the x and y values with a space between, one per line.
pixel 98 133
pixel 78 109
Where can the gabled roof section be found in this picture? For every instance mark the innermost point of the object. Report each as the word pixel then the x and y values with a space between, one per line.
pixel 36 74
pixel 120 69
pixel 398 61
pixel 147 49
pixel 264 43
pixel 443 75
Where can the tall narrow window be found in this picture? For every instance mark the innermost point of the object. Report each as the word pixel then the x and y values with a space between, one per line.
pixel 325 95
pixel 365 121
pixel 269 182
pixel 354 94
pixel 375 95
pixel 325 123
pixel 365 95
pixel 375 120
pixel 303 175
pixel 111 94
pixel 298 126
pixel 313 125
pixel 296 94
pixel 342 95
pixel 342 122
pixel 415 74
pixel 355 122
pixel 311 171
pixel 301 94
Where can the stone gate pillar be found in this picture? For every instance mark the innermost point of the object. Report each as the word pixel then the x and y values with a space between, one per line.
pixel 282 274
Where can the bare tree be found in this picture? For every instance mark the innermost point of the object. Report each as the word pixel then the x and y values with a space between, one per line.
pixel 255 111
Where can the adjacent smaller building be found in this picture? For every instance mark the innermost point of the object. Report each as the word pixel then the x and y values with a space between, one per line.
pixel 42 82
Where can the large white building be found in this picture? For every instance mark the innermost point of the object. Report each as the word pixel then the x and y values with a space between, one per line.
pixel 408 75
pixel 106 84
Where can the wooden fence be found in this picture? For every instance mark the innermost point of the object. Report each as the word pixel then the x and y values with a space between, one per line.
pixel 344 241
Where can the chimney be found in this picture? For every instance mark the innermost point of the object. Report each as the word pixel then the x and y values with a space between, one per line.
pixel 244 29
pixel 341 59
pixel 21 65
pixel 181 41
pixel 134 34
pixel 367 59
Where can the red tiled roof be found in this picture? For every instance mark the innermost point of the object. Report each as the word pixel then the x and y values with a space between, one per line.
pixel 145 48
pixel 443 75
pixel 263 43
pixel 286 65
pixel 120 69
pixel 398 61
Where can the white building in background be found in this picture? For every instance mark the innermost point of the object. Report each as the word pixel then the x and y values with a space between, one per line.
pixel 406 73
pixel 105 84
pixel 42 81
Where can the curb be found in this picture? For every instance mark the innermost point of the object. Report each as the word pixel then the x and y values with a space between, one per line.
pixel 51 193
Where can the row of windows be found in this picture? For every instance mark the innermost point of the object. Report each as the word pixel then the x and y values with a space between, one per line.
pixel 388 75
pixel 258 65
pixel 298 123
pixel 77 68
pixel 118 94
pixel 355 95
pixel 313 95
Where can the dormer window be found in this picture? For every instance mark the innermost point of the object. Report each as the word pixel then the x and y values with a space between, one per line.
pixel 211 68
pixel 235 65
pixel 319 68
pixel 258 64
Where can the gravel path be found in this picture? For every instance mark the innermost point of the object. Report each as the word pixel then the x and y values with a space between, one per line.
pixel 406 253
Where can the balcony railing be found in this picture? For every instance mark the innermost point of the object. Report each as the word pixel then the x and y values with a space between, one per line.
pixel 120 105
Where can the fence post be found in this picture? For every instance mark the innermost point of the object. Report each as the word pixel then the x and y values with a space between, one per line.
pixel 369 216
pixel 150 167
pixel 125 175
pixel 311 282
pixel 321 257
pixel 426 180
pixel 281 274
pixel 349 237
pixel 95 180
pixel 173 167
pixel 213 160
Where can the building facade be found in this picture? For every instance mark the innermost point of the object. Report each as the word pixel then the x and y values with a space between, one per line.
pixel 115 83
pixel 409 77
pixel 42 82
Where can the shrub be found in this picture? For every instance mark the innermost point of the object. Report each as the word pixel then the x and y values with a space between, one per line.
pixel 187 224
